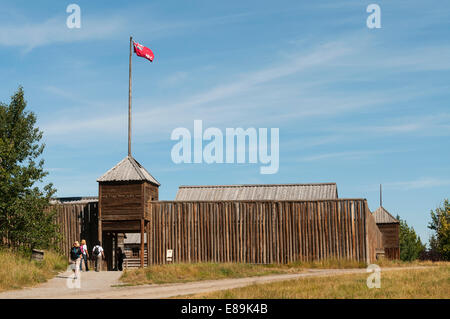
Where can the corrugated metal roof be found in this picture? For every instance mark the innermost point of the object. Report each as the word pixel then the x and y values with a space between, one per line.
pixel 382 216
pixel 74 200
pixel 128 169
pixel 258 192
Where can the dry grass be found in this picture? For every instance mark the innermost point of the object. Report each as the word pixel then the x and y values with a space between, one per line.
pixel 433 282
pixel 399 263
pixel 18 271
pixel 329 264
pixel 175 273
pixel 183 272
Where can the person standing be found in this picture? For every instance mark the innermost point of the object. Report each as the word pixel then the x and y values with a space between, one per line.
pixel 75 258
pixel 84 255
pixel 120 257
pixel 98 254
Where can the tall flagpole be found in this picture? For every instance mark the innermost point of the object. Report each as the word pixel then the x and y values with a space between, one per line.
pixel 129 101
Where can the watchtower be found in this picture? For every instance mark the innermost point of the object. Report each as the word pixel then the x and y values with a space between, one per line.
pixel 124 192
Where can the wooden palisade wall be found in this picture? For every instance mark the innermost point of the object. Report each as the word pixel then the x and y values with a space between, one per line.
pixel 243 231
pixel 262 231
pixel 77 221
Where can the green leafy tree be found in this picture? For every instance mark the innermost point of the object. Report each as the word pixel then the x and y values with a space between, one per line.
pixel 440 224
pixel 25 220
pixel 410 244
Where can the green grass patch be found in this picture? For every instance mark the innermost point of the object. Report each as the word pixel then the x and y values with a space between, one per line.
pixel 18 270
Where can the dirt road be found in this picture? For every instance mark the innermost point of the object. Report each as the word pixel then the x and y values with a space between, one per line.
pixel 103 285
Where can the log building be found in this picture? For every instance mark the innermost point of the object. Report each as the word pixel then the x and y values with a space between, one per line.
pixel 390 230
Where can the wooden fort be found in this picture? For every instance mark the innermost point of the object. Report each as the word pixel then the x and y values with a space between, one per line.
pixel 226 223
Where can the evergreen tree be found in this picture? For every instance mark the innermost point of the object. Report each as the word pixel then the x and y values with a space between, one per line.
pixel 410 244
pixel 25 220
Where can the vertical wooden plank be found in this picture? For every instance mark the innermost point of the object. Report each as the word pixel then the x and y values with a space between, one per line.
pixel 241 235
pixel 148 243
pixel 100 231
pixel 142 242
pixel 320 230
pixel 347 230
pixel 263 233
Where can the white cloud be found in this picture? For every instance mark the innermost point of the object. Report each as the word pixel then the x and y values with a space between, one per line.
pixel 348 155
pixel 200 104
pixel 432 124
pixel 54 30
pixel 427 182
pixel 252 96
pixel 174 78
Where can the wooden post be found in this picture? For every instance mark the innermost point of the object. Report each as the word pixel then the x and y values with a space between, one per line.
pixel 148 243
pixel 129 100
pixel 142 243
pixel 99 218
pixel 116 262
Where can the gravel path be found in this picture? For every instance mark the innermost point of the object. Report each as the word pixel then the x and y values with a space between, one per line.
pixel 102 285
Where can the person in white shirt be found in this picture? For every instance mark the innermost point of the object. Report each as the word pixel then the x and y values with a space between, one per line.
pixel 84 256
pixel 98 254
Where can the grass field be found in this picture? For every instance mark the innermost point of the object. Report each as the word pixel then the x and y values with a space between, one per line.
pixel 176 273
pixel 433 282
pixel 18 271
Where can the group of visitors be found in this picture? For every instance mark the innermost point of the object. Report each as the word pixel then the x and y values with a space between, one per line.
pixel 79 254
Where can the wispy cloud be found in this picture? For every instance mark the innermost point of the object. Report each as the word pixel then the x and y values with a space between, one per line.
pixel 432 124
pixel 347 155
pixel 427 182
pixel 253 96
pixel 55 30
pixel 29 35
pixel 175 78
pixel 200 104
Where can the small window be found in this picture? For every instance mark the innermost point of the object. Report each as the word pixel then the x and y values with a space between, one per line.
pixel 135 252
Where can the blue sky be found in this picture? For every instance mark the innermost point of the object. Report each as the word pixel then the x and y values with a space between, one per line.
pixel 355 106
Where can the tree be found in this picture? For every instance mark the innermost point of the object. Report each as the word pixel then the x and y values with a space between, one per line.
pixel 25 220
pixel 440 224
pixel 410 244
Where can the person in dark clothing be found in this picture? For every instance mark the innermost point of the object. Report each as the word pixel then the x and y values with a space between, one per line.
pixel 120 257
pixel 75 258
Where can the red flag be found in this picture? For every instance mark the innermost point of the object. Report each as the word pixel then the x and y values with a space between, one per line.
pixel 143 51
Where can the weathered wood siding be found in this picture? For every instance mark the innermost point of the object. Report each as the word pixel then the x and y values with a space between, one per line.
pixel 150 194
pixel 374 237
pixel 241 231
pixel 262 231
pixel 77 221
pixel 125 202
pixel 391 240
pixel 121 201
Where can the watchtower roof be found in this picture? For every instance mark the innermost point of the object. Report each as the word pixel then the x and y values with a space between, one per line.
pixel 382 216
pixel 128 169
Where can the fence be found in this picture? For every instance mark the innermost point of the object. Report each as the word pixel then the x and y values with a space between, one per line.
pixel 262 231
pixel 77 221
